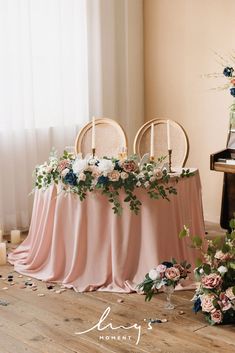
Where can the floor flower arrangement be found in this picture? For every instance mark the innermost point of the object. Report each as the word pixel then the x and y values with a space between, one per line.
pixel 80 176
pixel 215 295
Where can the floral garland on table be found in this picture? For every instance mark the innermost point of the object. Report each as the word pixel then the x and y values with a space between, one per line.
pixel 168 273
pixel 215 295
pixel 80 176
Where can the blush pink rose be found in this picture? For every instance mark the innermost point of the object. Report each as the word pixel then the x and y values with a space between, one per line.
pixel 229 293
pixel 207 303
pixel 217 316
pixel 114 175
pixel 63 165
pixel 172 273
pixel 211 281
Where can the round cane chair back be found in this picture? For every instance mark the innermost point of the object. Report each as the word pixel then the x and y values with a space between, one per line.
pixel 110 138
pixel 178 138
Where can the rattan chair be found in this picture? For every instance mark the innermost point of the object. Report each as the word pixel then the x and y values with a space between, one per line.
pixel 179 141
pixel 110 138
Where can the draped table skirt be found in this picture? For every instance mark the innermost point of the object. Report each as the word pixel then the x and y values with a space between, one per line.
pixel 84 245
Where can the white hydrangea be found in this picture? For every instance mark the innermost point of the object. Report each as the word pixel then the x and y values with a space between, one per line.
pixel 105 166
pixel 79 165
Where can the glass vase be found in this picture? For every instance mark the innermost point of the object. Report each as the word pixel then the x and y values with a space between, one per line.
pixel 169 290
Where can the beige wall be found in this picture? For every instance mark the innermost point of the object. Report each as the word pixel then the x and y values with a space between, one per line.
pixel 180 37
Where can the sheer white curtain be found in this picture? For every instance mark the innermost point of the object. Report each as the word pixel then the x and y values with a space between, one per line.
pixel 62 61
pixel 43 92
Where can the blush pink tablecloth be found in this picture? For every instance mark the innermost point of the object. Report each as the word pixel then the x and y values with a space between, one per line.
pixel 85 246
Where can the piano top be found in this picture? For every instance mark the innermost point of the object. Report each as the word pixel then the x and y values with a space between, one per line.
pixel 223 161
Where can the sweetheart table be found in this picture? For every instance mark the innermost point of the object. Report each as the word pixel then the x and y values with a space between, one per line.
pixel 85 246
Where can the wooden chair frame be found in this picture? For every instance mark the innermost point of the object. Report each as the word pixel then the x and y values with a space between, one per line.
pixel 147 126
pixel 98 120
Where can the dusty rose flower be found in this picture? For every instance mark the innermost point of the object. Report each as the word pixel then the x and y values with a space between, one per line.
pixel 158 173
pixel 172 273
pixel 124 175
pixel 229 293
pixel 211 281
pixel 129 166
pixel 183 271
pixel 233 81
pixel 217 316
pixel 63 165
pixel 207 302
pixel 114 175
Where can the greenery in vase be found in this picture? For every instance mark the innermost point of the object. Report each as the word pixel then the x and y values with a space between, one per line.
pixel 168 273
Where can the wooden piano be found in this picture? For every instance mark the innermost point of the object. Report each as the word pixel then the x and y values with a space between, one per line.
pixel 224 161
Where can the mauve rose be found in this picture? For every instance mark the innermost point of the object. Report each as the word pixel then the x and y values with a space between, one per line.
pixel 172 273
pixel 207 303
pixel 183 271
pixel 211 281
pixel 217 316
pixel 229 293
pixel 129 166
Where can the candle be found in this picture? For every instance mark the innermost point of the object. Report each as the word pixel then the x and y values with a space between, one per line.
pixel 1 234
pixel 152 141
pixel 93 134
pixel 168 135
pixel 3 254
pixel 15 236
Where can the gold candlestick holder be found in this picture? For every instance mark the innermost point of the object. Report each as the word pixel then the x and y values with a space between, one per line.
pixel 169 158
pixel 93 152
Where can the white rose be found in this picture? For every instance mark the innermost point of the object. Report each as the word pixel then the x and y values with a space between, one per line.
pixel 105 166
pixel 146 184
pixel 154 274
pixel 79 165
pixel 201 271
pixel 222 269
pixel 64 172
pixel 138 183
pixel 140 176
